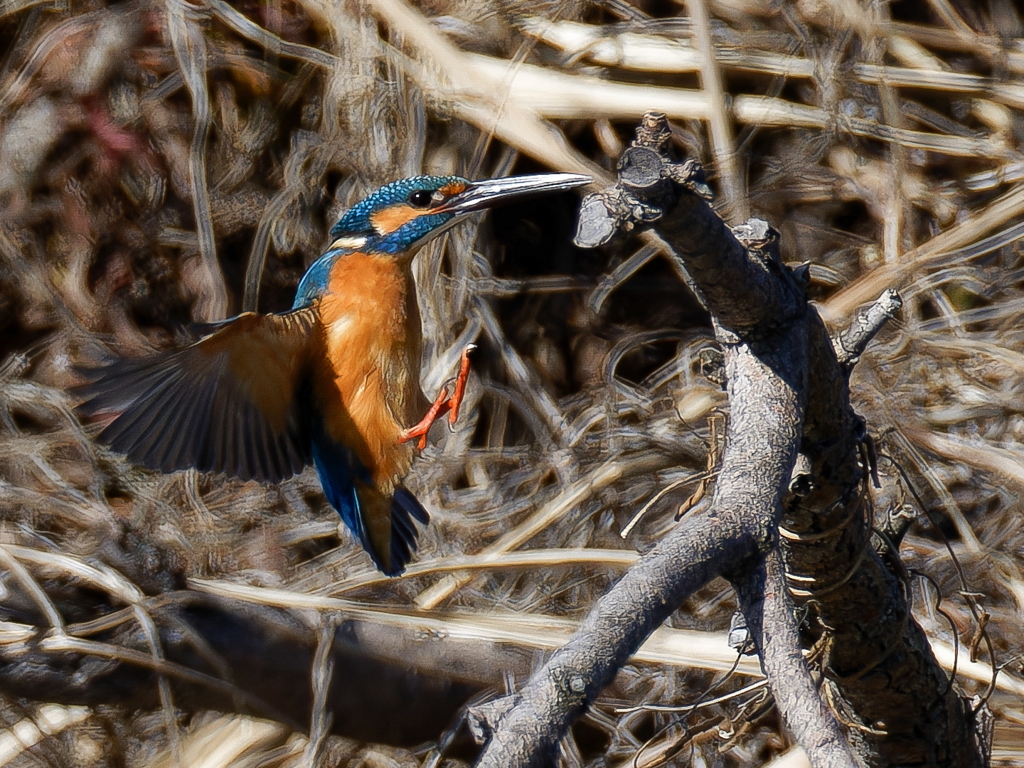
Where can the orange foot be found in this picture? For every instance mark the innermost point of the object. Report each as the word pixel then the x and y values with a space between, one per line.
pixel 443 403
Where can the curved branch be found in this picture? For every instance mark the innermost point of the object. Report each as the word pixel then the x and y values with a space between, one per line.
pixel 763 438
pixel 770 620
pixel 787 391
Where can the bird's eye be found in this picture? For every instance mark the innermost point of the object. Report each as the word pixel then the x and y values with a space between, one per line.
pixel 420 198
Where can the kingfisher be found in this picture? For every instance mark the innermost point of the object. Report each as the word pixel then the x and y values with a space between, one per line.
pixel 333 382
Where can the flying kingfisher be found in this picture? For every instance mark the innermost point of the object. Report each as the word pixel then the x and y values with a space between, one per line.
pixel 334 381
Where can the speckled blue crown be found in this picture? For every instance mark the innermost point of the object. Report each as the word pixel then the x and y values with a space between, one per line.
pixel 356 220
pixel 356 223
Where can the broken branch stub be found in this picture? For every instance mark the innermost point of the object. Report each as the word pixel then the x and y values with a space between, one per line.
pixel 649 184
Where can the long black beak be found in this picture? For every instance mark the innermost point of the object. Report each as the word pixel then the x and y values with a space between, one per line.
pixel 489 193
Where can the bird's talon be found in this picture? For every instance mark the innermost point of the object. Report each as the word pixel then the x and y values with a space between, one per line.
pixel 441 404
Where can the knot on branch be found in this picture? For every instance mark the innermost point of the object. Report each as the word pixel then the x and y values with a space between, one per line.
pixel 759 237
pixel 484 719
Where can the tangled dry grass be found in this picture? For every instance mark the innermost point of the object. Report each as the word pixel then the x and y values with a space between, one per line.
pixel 166 163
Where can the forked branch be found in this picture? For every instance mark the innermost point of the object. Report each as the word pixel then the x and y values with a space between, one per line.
pixel 789 407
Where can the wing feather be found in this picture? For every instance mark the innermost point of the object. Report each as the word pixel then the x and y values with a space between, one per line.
pixel 229 403
pixel 144 425
pixel 260 448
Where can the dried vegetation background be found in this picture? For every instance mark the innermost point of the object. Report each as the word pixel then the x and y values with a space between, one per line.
pixel 167 163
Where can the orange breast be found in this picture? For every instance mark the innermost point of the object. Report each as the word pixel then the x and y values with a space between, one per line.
pixel 369 388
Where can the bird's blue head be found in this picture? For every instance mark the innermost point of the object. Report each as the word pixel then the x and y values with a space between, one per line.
pixel 403 215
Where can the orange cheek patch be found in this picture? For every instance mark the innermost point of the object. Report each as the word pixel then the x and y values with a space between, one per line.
pixel 453 188
pixel 388 220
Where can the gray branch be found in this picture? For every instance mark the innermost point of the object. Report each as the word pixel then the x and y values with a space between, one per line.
pixel 788 392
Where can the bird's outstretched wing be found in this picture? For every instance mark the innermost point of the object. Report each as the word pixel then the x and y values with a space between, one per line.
pixel 231 402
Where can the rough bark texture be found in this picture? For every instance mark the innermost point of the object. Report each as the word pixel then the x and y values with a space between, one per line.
pixel 880 674
pixel 789 407
pixel 769 613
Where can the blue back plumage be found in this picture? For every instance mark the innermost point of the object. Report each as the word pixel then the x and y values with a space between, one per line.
pixel 314 282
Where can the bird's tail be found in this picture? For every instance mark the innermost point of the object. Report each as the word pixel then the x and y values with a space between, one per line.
pixel 383 522
pixel 387 530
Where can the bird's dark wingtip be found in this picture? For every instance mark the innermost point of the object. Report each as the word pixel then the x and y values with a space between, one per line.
pixel 167 414
pixel 405 509
pixel 99 384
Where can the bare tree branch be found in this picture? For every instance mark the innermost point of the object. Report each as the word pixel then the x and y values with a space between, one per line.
pixel 791 472
pixel 766 375
pixel 769 612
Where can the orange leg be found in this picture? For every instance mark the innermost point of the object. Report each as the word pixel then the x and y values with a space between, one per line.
pixel 460 384
pixel 443 403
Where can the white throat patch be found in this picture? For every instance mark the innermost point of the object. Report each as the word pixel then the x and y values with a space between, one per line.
pixel 349 243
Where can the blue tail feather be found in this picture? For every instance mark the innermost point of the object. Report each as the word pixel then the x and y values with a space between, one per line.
pixel 334 464
pixel 342 475
pixel 411 506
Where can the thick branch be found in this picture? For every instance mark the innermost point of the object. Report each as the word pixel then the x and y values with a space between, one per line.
pixel 763 439
pixel 220 654
pixel 524 729
pixel 766 375
pixel 891 693
pixel 881 675
pixel 743 289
